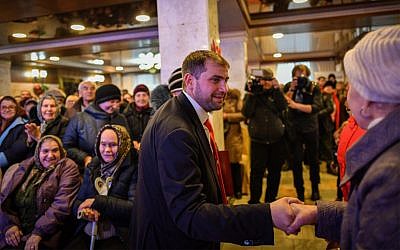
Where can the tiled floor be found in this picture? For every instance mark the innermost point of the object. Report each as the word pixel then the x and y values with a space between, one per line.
pixel 305 239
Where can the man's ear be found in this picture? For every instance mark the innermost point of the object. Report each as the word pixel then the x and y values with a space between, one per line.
pixel 188 81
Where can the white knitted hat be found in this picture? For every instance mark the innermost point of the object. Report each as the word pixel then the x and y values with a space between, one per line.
pixel 373 65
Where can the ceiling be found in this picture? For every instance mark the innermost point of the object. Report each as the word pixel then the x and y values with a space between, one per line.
pixel 317 30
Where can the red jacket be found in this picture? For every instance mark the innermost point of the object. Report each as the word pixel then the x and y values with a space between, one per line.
pixel 350 134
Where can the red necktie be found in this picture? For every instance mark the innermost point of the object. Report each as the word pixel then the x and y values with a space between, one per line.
pixel 216 157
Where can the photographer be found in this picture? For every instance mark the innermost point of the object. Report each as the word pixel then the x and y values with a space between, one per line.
pixel 263 107
pixel 304 101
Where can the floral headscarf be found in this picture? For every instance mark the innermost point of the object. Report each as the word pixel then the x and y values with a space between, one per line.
pixel 63 153
pixel 124 146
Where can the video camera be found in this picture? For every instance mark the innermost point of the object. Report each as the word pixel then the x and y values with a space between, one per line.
pixel 255 78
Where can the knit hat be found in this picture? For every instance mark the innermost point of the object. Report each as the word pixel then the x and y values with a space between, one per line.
pixel 141 88
pixel 372 66
pixel 175 81
pixel 107 92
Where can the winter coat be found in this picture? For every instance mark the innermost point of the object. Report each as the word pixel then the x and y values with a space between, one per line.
pixel 233 131
pixel 263 111
pixel 137 121
pixel 81 132
pixel 13 147
pixel 118 204
pixel 371 218
pixel 54 199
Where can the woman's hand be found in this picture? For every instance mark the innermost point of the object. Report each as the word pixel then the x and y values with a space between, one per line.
pixel 136 145
pixel 86 212
pixel 33 242
pixel 33 131
pixel 13 236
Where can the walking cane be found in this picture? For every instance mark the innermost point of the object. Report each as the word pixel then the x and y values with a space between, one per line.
pixel 93 235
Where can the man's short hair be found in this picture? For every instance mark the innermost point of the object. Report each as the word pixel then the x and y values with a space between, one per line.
pixel 195 62
pixel 80 86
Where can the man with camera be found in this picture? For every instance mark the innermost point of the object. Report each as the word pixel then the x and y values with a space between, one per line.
pixel 263 105
pixel 304 101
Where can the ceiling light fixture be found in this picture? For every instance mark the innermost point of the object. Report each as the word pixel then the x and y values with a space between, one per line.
pixel 300 1
pixel 142 18
pixel 277 55
pixel 96 62
pixel 78 27
pixel 277 35
pixel 19 35
pixel 34 56
pixel 54 58
pixel 119 68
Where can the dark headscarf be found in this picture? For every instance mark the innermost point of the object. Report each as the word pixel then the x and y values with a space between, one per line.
pixel 124 146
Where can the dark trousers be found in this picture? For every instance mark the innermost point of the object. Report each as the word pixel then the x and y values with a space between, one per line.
pixel 310 142
pixel 270 157
pixel 236 169
pixel 82 241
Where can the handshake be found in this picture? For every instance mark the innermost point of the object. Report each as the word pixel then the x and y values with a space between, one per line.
pixel 290 214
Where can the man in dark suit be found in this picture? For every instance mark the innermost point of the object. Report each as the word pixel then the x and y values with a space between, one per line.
pixel 181 202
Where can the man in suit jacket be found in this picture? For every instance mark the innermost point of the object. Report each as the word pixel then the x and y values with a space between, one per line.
pixel 179 198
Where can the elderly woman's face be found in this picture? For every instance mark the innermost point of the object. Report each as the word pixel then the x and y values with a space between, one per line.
pixel 49 109
pixel 356 103
pixel 8 109
pixel 49 153
pixel 108 145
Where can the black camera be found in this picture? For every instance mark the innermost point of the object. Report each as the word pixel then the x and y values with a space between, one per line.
pixel 254 84
pixel 303 84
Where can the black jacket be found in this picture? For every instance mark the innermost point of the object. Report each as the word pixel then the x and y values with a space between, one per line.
pixel 264 112
pixel 178 201
pixel 137 121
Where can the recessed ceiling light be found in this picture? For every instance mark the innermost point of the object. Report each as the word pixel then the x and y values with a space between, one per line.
pixel 78 27
pixel 54 58
pixel 119 68
pixel 96 62
pixel 142 18
pixel 277 55
pixel 19 35
pixel 300 1
pixel 277 35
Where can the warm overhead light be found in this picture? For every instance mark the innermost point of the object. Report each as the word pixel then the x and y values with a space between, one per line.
pixel 43 73
pixel 142 18
pixel 34 56
pixel 42 55
pixel 277 35
pixel 300 1
pixel 96 78
pixel 96 62
pixel 119 68
pixel 78 27
pixel 54 58
pixel 35 73
pixel 277 55
pixel 19 35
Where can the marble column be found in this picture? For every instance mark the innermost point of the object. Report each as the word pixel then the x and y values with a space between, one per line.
pixel 5 78
pixel 234 49
pixel 183 27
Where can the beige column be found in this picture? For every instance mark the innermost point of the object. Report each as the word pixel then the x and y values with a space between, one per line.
pixel 185 26
pixel 234 49
pixel 5 78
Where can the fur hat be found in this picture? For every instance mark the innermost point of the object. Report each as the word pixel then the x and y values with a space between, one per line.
pixel 141 88
pixel 372 66
pixel 107 92
pixel 175 81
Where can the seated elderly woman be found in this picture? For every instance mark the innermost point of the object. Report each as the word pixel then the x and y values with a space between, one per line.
pixel 108 191
pixel 36 197
pixel 51 120
pixel 13 146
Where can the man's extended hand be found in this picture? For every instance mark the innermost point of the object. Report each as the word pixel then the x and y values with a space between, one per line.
pixel 282 212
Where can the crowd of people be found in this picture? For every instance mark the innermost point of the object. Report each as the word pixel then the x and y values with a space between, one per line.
pixel 142 171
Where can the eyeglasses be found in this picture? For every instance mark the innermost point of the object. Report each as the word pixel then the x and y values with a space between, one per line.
pixel 8 107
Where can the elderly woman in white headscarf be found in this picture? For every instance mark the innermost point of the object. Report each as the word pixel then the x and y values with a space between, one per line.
pixel 371 218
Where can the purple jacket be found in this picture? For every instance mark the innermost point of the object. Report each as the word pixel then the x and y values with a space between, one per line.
pixel 54 197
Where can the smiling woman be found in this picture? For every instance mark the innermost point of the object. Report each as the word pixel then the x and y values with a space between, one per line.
pixel 36 197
